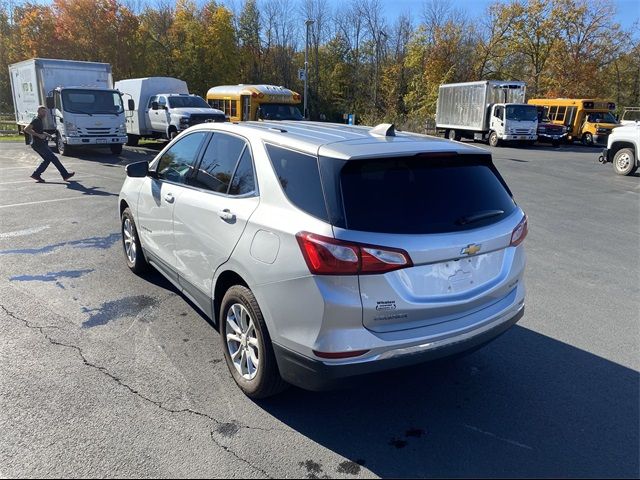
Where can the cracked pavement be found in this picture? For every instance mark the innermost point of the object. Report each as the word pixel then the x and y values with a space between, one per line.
pixel 106 374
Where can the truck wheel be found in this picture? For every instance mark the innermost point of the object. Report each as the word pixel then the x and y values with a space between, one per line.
pixel 63 148
pixel 587 139
pixel 453 135
pixel 132 140
pixel 624 162
pixel 116 149
pixel 494 141
pixel 172 134
pixel 247 346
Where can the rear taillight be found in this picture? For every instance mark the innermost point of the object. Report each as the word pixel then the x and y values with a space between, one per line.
pixel 520 232
pixel 328 256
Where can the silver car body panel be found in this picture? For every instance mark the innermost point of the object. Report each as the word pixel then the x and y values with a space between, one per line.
pixel 444 294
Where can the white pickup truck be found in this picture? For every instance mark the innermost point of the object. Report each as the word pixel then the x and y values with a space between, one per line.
pixel 622 149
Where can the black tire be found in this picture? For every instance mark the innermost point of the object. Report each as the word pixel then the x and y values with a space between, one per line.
pixel 587 139
pixel 116 149
pixel 555 143
pixel 132 140
pixel 624 162
pixel 172 134
pixel 138 264
pixel 494 141
pixel 453 135
pixel 267 381
pixel 63 149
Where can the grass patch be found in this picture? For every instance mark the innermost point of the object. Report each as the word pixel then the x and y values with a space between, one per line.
pixel 11 138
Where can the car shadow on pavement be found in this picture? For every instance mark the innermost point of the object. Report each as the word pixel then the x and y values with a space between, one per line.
pixel 524 406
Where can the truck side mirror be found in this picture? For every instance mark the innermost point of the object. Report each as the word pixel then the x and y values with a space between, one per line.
pixel 131 104
pixel 50 103
pixel 154 105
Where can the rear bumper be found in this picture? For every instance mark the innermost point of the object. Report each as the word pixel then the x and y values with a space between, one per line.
pixel 315 375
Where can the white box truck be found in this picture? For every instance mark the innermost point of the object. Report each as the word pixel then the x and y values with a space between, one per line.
pixel 486 110
pixel 163 108
pixel 84 109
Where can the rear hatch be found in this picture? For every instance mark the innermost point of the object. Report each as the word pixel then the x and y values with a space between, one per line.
pixel 452 214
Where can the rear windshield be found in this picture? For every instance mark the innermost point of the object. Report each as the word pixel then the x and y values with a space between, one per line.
pixel 418 195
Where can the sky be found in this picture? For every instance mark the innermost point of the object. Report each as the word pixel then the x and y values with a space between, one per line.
pixel 628 11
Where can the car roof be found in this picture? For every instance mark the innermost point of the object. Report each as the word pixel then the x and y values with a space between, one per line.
pixel 342 141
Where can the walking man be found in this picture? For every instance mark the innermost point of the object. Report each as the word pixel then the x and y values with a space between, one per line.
pixel 41 146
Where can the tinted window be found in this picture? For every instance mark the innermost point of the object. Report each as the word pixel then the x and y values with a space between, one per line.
pixel 243 180
pixel 300 179
pixel 151 100
pixel 178 162
pixel 218 163
pixel 422 195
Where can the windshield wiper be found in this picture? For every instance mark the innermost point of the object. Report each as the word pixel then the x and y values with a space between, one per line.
pixel 82 112
pixel 476 217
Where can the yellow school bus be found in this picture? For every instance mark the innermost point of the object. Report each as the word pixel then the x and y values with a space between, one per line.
pixel 255 102
pixel 587 120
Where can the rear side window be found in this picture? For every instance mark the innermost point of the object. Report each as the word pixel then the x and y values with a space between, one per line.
pixel 422 195
pixel 299 178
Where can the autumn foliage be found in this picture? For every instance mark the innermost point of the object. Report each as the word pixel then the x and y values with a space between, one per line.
pixel 359 61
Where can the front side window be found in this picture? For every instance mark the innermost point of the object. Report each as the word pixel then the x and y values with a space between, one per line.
pixel 299 177
pixel 219 162
pixel 177 163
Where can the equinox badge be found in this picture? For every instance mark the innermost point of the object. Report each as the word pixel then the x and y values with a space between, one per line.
pixel 471 249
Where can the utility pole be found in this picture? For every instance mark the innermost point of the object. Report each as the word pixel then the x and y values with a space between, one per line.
pixel 308 23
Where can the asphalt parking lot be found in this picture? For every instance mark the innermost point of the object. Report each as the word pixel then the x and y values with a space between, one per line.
pixel 106 374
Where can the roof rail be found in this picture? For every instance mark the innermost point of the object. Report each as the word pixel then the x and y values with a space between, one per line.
pixel 384 130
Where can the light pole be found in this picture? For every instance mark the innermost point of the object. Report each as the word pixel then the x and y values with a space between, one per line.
pixel 308 23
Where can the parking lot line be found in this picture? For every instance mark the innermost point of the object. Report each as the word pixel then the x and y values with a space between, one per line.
pixel 45 201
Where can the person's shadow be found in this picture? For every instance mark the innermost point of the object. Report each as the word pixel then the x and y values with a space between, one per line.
pixel 92 191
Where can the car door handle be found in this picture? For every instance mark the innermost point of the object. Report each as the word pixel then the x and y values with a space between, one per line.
pixel 169 198
pixel 227 215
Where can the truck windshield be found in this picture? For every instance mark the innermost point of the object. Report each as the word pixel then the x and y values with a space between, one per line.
pixel 522 113
pixel 187 102
pixel 92 102
pixel 601 117
pixel 279 111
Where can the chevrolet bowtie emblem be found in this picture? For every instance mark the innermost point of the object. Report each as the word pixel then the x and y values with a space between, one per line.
pixel 471 249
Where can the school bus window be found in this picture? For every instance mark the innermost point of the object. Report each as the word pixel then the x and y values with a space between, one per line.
pixel 552 113
pixel 561 113
pixel 234 108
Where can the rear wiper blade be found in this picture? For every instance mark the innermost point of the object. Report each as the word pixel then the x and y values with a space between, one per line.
pixel 484 214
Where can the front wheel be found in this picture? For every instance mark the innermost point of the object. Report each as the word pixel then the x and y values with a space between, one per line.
pixel 624 161
pixel 63 148
pixel 131 244
pixel 247 345
pixel 116 149
pixel 494 141
pixel 587 139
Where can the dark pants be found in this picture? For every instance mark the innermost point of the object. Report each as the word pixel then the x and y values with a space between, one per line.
pixel 48 157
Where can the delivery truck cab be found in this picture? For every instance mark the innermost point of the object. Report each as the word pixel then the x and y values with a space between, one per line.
pixel 163 107
pixel 83 108
pixel 492 111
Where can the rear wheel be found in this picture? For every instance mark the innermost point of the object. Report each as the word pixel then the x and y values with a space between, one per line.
pixel 247 345
pixel 132 140
pixel 453 135
pixel 624 162
pixel 494 141
pixel 131 244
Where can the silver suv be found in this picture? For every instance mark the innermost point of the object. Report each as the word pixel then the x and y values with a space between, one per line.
pixel 324 252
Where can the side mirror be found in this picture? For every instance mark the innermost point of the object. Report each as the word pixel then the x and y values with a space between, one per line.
pixel 131 104
pixel 154 105
pixel 138 169
pixel 50 103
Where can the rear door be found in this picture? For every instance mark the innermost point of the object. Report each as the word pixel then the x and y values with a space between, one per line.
pixel 212 214
pixel 453 216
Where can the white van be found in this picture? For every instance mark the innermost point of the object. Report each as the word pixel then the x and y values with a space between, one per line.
pixel 163 108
